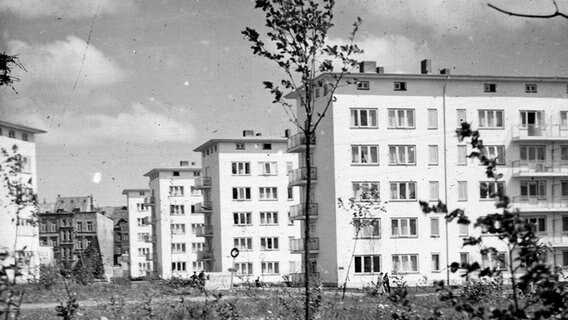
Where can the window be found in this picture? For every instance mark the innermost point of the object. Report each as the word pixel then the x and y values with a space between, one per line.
pixel 269 243
pixel 564 119
pixel 243 244
pixel 178 266
pixel 176 191
pixel 141 221
pixel 43 227
pixel 362 85
pixel 268 193
pixel 462 155
pixel 241 193
pixel 432 118
pixel 25 136
pixel 177 209
pixel 12 134
pixel 495 260
pixel 79 226
pixel 491 119
pixel 269 218
pixel 197 265
pixel 141 236
pixel 175 174
pixel 267 146
pixel 404 227
pixel 197 246
pixel 462 190
pixel 564 153
pixel 494 152
pixel 195 227
pixel 401 118
pixel 399 86
pixel 564 189
pixel 177 228
pixel 244 268
pixel 463 230
pixel 403 190
pixel 405 263
pixel 464 258
pixel 368 228
pixel 366 191
pixel 435 262
pixel 290 193
pixel 242 218
pixel 435 227
pixel 490 189
pixel 240 168
pixel 530 88
pixel 367 264
pixel 539 223
pixel 489 87
pixel 433 155
pixel 564 223
pixel 365 154
pixel 43 241
pixel 141 207
pixel 533 189
pixel 364 118
pixel 240 146
pixel 402 155
pixel 289 167
pixel 270 268
pixel 461 116
pixel 268 168
pixel 532 153
pixel 178 247
pixel 434 191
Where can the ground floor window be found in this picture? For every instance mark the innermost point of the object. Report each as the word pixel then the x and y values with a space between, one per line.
pixel 270 268
pixel 405 262
pixel 367 264
pixel 244 268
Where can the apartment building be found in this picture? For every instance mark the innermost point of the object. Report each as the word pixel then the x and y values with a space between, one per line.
pixel 175 222
pixel 246 203
pixel 19 235
pixel 394 135
pixel 139 235
pixel 71 234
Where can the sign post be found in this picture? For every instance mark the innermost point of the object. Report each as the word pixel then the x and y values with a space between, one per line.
pixel 234 254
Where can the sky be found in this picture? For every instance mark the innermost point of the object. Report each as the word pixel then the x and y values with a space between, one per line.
pixel 122 87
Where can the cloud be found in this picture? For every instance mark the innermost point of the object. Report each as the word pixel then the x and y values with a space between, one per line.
pixel 59 62
pixel 73 9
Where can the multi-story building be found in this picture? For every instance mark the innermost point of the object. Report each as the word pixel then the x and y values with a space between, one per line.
pixel 72 233
pixel 394 135
pixel 19 235
pixel 246 203
pixel 175 221
pixel 139 237
pixel 121 248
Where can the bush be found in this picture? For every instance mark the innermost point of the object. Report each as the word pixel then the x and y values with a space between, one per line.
pixel 49 276
pixel 482 291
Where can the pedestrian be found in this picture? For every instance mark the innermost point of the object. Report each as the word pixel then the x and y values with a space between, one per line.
pixel 202 279
pixel 193 279
pixel 386 282
pixel 380 285
pixel 257 282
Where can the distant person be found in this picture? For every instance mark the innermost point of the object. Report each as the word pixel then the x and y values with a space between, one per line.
pixel 193 279
pixel 386 282
pixel 380 285
pixel 201 278
pixel 257 282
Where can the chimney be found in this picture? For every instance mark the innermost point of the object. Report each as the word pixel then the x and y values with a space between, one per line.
pixel 248 133
pixel 381 70
pixel 184 163
pixel 367 66
pixel 426 66
pixel 445 71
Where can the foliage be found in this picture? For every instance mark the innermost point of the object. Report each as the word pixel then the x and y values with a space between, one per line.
pixel 49 276
pixel 7 64
pixel 89 267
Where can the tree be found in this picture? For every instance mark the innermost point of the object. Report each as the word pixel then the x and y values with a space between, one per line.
pixel 7 64
pixel 555 14
pixel 298 30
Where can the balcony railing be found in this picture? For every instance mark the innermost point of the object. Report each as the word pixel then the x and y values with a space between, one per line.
pixel 204 207
pixel 541 168
pixel 204 231
pixel 298 212
pixel 300 176
pixel 203 182
pixel 540 131
pixel 540 202
pixel 205 255
pixel 149 201
pixel 298 141
pixel 297 245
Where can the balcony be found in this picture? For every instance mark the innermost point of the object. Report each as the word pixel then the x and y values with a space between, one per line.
pixel 148 239
pixel 299 176
pixel 204 231
pixel 539 168
pixel 297 245
pixel 298 212
pixel 203 183
pixel 149 257
pixel 540 203
pixel 297 142
pixel 205 255
pixel 149 201
pixel 533 132
pixel 204 207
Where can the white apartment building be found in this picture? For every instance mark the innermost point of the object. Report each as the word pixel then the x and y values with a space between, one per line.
pixel 20 233
pixel 246 203
pixel 395 133
pixel 141 253
pixel 175 221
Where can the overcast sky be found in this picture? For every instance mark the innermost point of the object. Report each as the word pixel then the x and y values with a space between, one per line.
pixel 124 86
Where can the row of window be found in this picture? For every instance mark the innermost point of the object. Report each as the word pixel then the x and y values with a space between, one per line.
pixel 238 146
pixel 266 244
pixel 179 191
pixel 265 168
pixel 12 134
pixel 400 228
pixel 488 87
pixel 264 193
pixel 265 218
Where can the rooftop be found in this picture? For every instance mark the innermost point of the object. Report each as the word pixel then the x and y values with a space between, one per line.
pixel 20 127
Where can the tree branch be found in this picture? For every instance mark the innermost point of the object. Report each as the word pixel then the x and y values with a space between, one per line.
pixel 557 13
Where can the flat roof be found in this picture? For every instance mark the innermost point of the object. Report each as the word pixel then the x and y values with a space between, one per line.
pixel 240 139
pixel 125 191
pixel 20 127
pixel 167 169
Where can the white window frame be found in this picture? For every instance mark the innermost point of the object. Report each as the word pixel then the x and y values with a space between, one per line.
pixel 533 189
pixel 270 267
pixel 405 263
pixel 490 87
pixel 399 118
pixel 536 221
pixel 462 190
pixel 178 247
pixel 435 262
pixel 177 228
pixel 489 119
pixel 179 266
pixel 497 260
pixel 531 88
pixel 367 264
pixel 243 243
pixel 462 155
pixel 358 153
pixel 268 193
pixel 495 152
pixel 269 244
pixel 369 227
pixel 403 228
pixel 244 268
pixel 242 193
pixel 360 115
pixel 176 191
pixel 399 86
pixel 240 168
pixel 362 85
pixel 492 187
pixel 366 190
pixel 434 190
pixel 432 119
pixel 269 218
pixel 461 116
pixel 268 168
pixel 433 155
pixel 242 218
pixel 409 190
pixel 402 155
pixel 177 209
pixel 435 227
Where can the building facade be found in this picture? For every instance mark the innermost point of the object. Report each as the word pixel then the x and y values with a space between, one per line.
pixel 139 237
pixel 175 222
pixel 19 235
pixel 246 203
pixel 394 135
